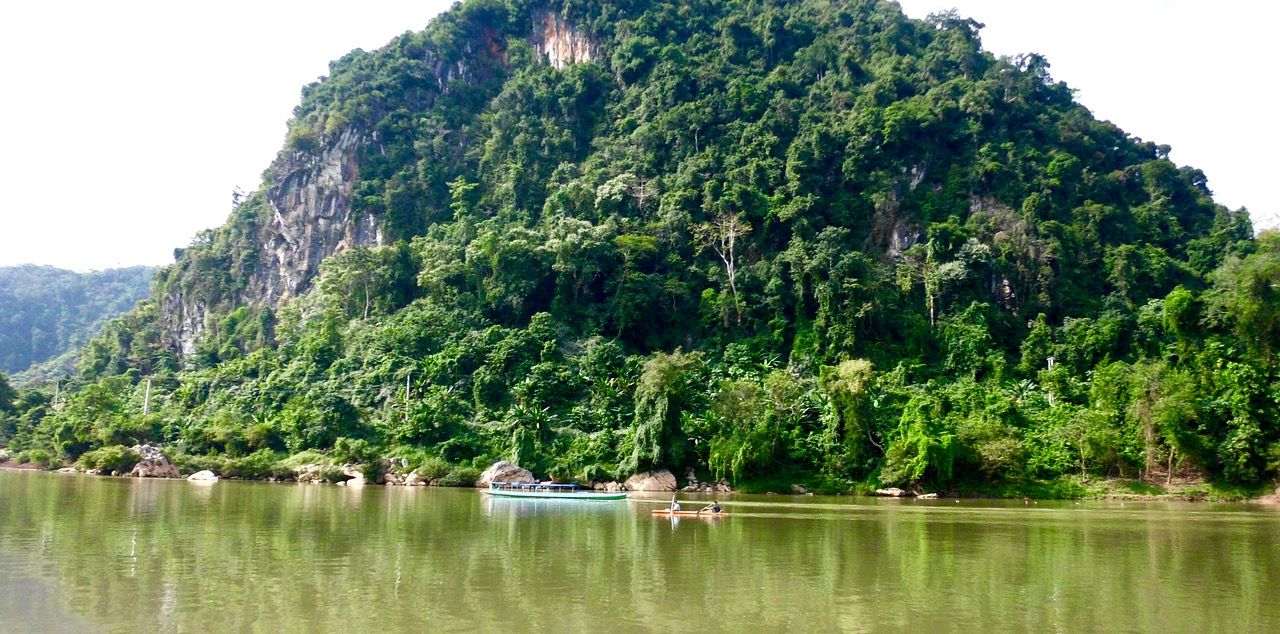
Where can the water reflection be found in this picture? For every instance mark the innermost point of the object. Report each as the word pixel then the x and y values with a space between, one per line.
pixel 122 554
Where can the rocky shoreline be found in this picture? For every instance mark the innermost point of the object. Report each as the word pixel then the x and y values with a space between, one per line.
pixel 154 463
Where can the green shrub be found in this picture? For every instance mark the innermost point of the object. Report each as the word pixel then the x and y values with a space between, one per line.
pixel 110 458
pixel 191 463
pixel 460 477
pixel 433 468
pixel 309 456
pixel 23 457
pixel 353 450
pixel 260 464
pixel 333 474
pixel 372 469
pixel 40 457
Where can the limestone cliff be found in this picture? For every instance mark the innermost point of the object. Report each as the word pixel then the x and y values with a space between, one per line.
pixel 306 214
pixel 561 42
pixel 311 218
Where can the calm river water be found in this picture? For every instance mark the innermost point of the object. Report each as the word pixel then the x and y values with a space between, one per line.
pixel 81 553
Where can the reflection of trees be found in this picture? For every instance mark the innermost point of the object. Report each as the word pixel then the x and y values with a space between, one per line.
pixel 252 556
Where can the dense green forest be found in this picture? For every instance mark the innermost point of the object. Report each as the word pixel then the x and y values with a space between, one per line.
pixel 774 242
pixel 46 312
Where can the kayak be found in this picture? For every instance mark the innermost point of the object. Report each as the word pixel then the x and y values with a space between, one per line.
pixel 670 513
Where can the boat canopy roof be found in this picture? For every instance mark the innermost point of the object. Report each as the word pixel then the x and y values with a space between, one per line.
pixel 541 486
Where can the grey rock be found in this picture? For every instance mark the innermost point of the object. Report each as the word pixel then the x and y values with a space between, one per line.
pixel 153 463
pixel 503 471
pixel 661 480
pixel 203 476
pixel 891 492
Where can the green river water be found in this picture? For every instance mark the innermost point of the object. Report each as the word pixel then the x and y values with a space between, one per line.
pixel 85 554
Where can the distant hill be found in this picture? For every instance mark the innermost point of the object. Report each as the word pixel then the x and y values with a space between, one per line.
pixel 46 312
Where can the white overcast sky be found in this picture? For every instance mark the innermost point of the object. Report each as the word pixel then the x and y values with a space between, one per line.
pixel 127 124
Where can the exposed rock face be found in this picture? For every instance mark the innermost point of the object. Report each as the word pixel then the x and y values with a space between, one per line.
pixel 415 480
pixel 310 199
pixel 503 471
pixel 203 476
pixel 309 191
pixel 610 486
pixel 311 219
pixel 661 480
pixel 562 43
pixel 154 464
pixel 186 319
pixel 354 476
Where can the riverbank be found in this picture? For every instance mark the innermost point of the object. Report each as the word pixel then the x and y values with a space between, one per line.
pixel 1076 487
pixel 1069 488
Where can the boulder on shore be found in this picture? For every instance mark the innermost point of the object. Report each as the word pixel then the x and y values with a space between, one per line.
pixel 927 496
pixel 891 492
pixel 503 471
pixel 203 476
pixel 355 477
pixel 661 480
pixel 153 463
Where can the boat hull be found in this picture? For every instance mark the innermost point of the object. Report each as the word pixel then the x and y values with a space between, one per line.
pixel 558 495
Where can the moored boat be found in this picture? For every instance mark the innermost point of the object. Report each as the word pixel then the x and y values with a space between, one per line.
pixel 544 490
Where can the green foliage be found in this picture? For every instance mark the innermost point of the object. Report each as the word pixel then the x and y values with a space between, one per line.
pixel 460 476
pixel 109 458
pixel 767 241
pixel 664 390
pixel 432 468
pixel 40 457
pixel 263 463
pixel 349 450
pixel 50 312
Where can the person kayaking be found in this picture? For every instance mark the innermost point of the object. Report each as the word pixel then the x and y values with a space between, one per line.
pixel 675 506
pixel 713 507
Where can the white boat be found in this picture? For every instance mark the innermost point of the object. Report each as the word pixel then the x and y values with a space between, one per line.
pixel 550 491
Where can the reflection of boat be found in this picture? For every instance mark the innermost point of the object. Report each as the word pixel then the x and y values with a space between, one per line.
pixel 671 513
pixel 551 491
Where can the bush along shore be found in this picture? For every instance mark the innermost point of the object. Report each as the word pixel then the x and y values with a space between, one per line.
pixel 309 466
pixel 147 461
pixel 424 470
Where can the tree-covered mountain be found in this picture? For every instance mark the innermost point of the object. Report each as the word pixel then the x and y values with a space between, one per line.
pixel 46 312
pixel 773 242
